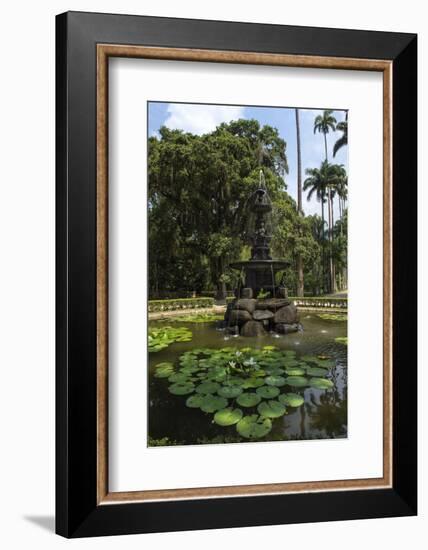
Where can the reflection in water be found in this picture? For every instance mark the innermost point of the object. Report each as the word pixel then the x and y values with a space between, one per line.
pixel 323 415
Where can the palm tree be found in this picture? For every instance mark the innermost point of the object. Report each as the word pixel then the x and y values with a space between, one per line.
pixel 300 281
pixel 316 183
pixel 343 140
pixel 323 124
pixel 322 181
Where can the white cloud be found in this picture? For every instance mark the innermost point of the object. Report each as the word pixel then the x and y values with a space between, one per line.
pixel 200 119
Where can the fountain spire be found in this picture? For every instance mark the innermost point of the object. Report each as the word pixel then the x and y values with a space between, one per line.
pixel 261 303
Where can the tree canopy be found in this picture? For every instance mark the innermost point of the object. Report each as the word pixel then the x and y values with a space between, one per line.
pixel 198 188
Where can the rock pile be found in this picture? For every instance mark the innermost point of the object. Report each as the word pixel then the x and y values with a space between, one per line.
pixel 254 317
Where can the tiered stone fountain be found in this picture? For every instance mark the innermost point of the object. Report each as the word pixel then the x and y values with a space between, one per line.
pixel 249 314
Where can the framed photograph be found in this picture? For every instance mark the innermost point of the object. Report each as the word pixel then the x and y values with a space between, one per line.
pixel 236 274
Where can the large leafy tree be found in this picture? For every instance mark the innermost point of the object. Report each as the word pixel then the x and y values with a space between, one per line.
pixel 198 186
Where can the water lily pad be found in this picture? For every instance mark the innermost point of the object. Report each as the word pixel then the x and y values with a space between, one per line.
pixel 267 392
pixel 297 381
pixel 309 358
pixel 326 363
pixel 271 409
pixel 229 391
pixel 164 364
pixel 275 371
pixel 181 388
pixel 178 377
pixel 316 371
pixel 333 316
pixel 321 383
pixel 291 399
pixel 274 380
pixel 228 416
pixel 207 387
pixel 254 426
pixel 249 399
pixel 189 369
pixel 342 340
pixel 258 373
pixel 164 370
pixel 270 348
pixel 194 401
pixel 217 374
pixel 236 381
pixel 160 338
pixel 295 371
pixel 252 383
pixel 212 403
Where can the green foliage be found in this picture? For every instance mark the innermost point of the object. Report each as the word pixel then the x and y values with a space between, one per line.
pixel 228 416
pixel 271 409
pixel 254 426
pixel 291 399
pixel 161 338
pixel 321 383
pixel 198 318
pixel 333 316
pixel 249 399
pixel 263 294
pixel 342 340
pixel 198 186
pixel 223 382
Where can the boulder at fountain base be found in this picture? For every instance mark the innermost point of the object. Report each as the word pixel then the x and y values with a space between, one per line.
pixel 249 304
pixel 239 317
pixel 262 315
pixel 284 328
pixel 287 315
pixel 253 328
pixel 273 304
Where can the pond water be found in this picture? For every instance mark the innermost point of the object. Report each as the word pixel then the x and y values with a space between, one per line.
pixel 323 415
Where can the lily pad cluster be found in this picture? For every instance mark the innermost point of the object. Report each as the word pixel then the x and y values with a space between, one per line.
pixel 342 340
pixel 246 388
pixel 161 338
pixel 333 316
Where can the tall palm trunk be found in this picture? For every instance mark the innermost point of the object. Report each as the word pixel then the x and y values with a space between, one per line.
pixel 330 228
pixel 300 281
pixel 323 243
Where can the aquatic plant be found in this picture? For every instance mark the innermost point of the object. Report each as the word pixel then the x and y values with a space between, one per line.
pixel 342 340
pixel 161 338
pixel 333 316
pixel 197 318
pixel 245 389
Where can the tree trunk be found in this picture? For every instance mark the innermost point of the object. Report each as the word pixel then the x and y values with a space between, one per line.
pixel 221 285
pixel 323 244
pixel 330 239
pixel 300 280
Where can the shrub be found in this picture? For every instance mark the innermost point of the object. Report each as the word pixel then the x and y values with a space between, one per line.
pixel 179 303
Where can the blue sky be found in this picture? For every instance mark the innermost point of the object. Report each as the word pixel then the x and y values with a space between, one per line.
pixel 200 119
